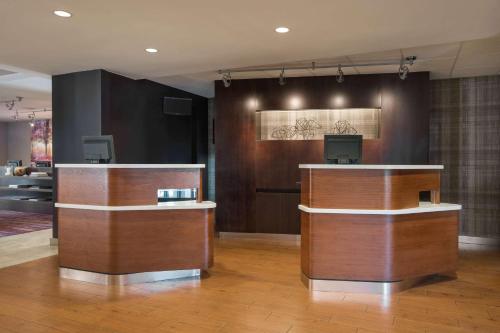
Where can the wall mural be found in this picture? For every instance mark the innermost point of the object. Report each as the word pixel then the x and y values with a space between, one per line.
pixel 314 124
pixel 41 140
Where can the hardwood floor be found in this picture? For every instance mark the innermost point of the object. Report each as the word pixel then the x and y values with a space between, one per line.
pixel 254 286
pixel 25 247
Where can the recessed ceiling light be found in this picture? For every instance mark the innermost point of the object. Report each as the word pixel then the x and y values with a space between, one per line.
pixel 62 13
pixel 281 30
pixel 151 50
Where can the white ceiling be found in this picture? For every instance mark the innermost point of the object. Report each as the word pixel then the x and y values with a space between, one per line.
pixel 197 37
pixel 449 60
pixel 34 88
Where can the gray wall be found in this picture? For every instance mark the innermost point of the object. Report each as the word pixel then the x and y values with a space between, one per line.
pixel 15 142
pixel 3 143
pixel 465 137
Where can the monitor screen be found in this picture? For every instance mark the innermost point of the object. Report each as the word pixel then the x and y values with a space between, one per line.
pixel 98 149
pixel 343 149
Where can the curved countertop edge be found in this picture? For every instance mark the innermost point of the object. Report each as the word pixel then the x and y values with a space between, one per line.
pixel 425 207
pixel 372 166
pixel 173 206
pixel 131 166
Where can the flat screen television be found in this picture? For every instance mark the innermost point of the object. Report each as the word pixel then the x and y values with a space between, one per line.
pixel 176 106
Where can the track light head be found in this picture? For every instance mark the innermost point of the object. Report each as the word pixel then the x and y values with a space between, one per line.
pixel 340 74
pixel 403 66
pixel 226 79
pixel 403 72
pixel 32 117
pixel 403 69
pixel 282 80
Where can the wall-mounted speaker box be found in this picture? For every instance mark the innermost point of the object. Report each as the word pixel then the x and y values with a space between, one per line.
pixel 176 106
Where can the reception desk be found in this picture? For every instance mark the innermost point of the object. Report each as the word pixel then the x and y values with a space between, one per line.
pixel 363 227
pixel 114 230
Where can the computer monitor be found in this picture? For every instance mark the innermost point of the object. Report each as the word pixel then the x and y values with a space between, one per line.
pixel 343 149
pixel 98 149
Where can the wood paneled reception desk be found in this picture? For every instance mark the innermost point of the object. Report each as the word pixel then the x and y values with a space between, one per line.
pixel 363 228
pixel 114 227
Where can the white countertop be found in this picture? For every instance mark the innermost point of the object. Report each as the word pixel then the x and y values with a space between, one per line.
pixel 170 206
pixel 371 166
pixel 425 207
pixel 132 166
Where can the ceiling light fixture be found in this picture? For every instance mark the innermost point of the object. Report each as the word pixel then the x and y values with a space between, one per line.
pixel 62 13
pixel 10 104
pixel 151 50
pixel 408 61
pixel 31 117
pixel 282 30
pixel 226 79
pixel 403 69
pixel 403 66
pixel 340 74
pixel 282 79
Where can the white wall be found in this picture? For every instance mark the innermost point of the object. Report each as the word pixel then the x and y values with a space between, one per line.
pixel 19 141
pixel 3 143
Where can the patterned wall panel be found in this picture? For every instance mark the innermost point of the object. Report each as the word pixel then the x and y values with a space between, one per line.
pixel 465 137
pixel 314 124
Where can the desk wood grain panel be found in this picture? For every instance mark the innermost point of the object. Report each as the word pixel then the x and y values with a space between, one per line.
pixel 378 247
pixel 135 241
pixel 366 189
pixel 122 187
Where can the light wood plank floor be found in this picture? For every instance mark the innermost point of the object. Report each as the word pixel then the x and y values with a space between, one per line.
pixel 25 247
pixel 253 287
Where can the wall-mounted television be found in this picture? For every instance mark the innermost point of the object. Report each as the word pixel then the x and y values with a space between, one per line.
pixel 176 106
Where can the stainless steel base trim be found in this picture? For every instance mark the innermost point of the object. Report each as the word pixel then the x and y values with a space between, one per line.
pixel 125 279
pixel 384 288
pixel 479 240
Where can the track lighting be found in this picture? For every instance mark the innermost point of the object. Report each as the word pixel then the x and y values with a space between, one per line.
pixel 282 80
pixel 403 71
pixel 10 104
pixel 403 66
pixel 340 74
pixel 226 79
pixel 31 117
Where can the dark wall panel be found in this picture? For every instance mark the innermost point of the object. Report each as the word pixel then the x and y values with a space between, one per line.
pixel 76 104
pixel 235 156
pixel 133 113
pixel 465 137
pixel 405 119
pixel 245 166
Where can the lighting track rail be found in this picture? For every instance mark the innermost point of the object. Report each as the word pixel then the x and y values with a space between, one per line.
pixel 403 70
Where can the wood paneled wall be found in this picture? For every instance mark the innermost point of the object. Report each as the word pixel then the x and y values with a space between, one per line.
pixel 247 168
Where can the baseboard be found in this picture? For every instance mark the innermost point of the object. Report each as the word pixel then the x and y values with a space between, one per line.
pixel 479 240
pixel 53 242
